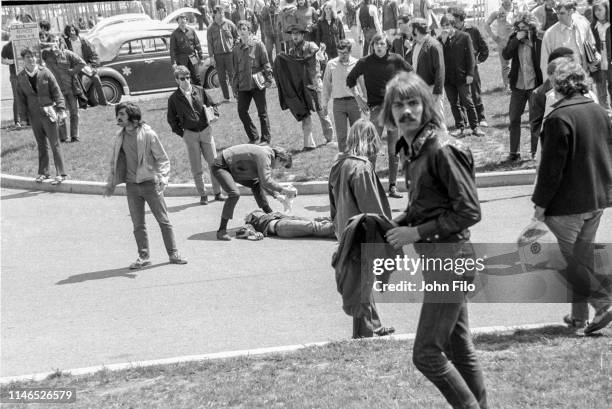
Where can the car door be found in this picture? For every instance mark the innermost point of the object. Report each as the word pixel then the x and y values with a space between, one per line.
pixel 130 63
pixel 156 54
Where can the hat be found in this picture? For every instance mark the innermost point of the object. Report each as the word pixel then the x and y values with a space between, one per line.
pixel 296 27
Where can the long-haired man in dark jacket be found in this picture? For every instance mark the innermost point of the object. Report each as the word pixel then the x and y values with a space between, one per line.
pixel 442 205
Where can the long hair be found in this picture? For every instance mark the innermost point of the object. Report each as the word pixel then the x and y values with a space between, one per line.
pixel 409 85
pixel 362 140
pixel 67 30
pixel 527 18
pixel 570 79
pixel 605 6
pixel 132 110
pixel 323 16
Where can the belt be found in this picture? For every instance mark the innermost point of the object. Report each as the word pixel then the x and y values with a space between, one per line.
pixel 344 98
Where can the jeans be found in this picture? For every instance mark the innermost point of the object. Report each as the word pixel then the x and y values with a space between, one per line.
pixel 198 144
pixel 476 97
pixel 225 178
pixel 289 228
pixel 443 350
pixel 73 109
pixel 575 234
pixel 344 109
pixel 225 70
pixel 244 102
pixel 368 33
pixel 603 84
pixel 460 97
pixel 137 195
pixel 518 99
pixel 97 84
pixel 16 118
pixel 45 130
pixel 392 137
pixel 326 125
pixel 272 41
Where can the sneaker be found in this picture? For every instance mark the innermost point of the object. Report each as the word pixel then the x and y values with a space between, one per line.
pixel 601 320
pixel 478 132
pixel 177 259
pixel 18 125
pixel 458 133
pixel 382 331
pixel 59 179
pixel 73 140
pixel 393 192
pixel 204 200
pixel 332 144
pixel 220 198
pixel 41 178
pixel 223 236
pixel 140 263
pixel 574 322
pixel 483 124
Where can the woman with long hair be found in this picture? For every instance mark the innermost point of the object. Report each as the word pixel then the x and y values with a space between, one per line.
pixel 307 16
pixel 354 188
pixel 600 26
pixel 329 30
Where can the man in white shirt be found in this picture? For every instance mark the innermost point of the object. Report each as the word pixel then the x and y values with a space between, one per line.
pixel 572 31
pixel 503 19
pixel 334 86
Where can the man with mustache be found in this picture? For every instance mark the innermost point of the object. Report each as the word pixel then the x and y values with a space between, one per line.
pixel 442 205
pixel 140 161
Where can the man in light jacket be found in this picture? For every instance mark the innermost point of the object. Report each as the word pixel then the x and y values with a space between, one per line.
pixel 140 161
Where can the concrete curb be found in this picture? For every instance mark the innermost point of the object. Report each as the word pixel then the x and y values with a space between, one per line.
pixel 489 179
pixel 240 353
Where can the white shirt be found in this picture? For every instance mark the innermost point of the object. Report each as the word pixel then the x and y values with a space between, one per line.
pixel 77 47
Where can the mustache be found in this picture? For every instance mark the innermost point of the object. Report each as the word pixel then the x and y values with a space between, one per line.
pixel 405 118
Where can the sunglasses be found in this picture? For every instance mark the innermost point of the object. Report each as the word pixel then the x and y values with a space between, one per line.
pixel 184 78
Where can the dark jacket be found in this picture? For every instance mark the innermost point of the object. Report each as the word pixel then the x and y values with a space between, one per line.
pixel 353 282
pixel 248 162
pixel 248 60
pixel 184 44
pixel 459 59
pixel 47 93
pixel 481 49
pixel 89 52
pixel 292 81
pixel 354 188
pixel 575 174
pixel 248 16
pixel 181 115
pixel 511 52
pixel 398 47
pixel 430 64
pixel 330 35
pixel 443 202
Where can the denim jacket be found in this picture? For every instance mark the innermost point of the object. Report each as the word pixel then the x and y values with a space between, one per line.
pixel 153 162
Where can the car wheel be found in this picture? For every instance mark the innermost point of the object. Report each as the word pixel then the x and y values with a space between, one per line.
pixel 211 79
pixel 112 90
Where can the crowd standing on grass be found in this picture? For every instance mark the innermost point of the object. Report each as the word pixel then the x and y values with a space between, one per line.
pixel 551 57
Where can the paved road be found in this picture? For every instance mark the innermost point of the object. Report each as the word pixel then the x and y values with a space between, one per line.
pixel 68 300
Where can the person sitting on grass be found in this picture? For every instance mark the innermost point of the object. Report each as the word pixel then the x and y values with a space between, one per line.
pixel 288 226
pixel 251 166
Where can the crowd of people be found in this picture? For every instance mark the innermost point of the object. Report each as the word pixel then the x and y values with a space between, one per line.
pixel 551 58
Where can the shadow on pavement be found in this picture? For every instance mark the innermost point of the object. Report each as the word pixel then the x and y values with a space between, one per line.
pixel 124 272
pixel 22 195
pixel 498 342
pixel 211 235
pixel 320 209
pixel 176 209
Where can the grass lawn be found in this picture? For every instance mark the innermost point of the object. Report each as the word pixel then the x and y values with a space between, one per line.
pixel 543 368
pixel 87 160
